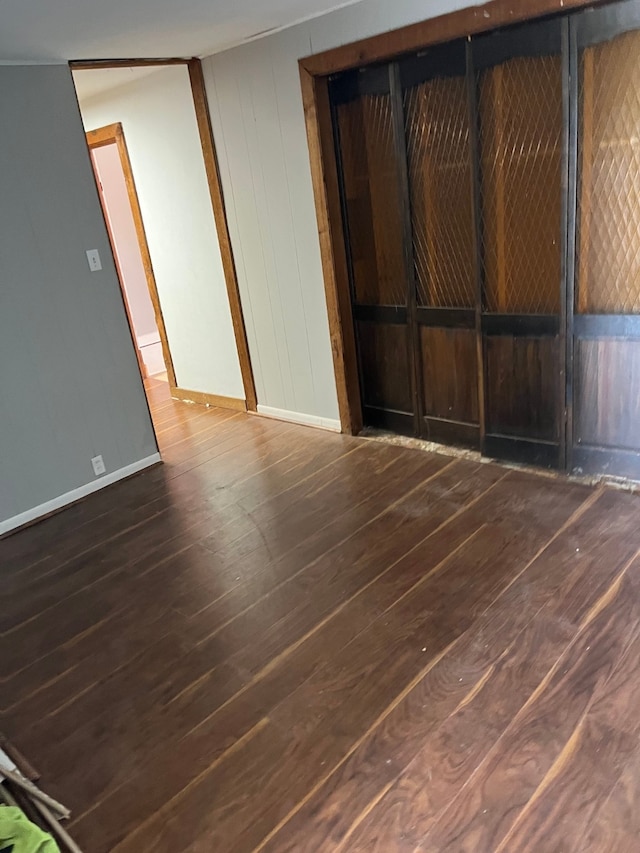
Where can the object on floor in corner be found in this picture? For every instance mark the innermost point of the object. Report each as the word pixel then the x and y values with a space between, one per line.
pixel 18 789
pixel 19 835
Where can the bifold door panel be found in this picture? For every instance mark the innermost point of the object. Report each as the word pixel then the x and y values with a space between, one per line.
pixel 491 209
pixel 373 210
pixel 435 102
pixel 521 124
pixel 606 423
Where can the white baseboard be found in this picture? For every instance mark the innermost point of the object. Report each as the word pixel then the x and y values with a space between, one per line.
pixel 76 494
pixel 299 418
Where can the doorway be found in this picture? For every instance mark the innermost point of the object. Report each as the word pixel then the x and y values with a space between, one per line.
pixel 160 105
pixel 121 209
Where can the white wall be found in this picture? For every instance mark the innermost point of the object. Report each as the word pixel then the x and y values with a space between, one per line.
pixel 70 387
pixel 157 114
pixel 256 107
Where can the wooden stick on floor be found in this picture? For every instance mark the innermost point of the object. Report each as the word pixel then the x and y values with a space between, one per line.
pixel 52 822
pixel 14 755
pixel 33 791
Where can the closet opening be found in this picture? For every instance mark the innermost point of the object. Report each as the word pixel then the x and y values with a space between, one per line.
pixel 483 198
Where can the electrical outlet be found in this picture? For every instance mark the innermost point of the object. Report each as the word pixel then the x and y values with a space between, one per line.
pixel 98 466
pixel 93 256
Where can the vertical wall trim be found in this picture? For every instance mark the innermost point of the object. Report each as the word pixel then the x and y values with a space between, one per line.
pixel 570 45
pixel 324 173
pixel 201 104
pixel 472 103
pixel 413 331
pixel 565 218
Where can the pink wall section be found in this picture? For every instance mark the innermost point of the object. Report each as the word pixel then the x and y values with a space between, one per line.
pixel 114 190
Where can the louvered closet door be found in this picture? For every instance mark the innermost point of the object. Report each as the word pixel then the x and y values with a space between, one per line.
pixel 373 212
pixel 440 180
pixel 522 167
pixel 606 411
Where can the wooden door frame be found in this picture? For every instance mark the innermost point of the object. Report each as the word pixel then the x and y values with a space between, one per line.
pixel 315 71
pixel 113 134
pixel 205 131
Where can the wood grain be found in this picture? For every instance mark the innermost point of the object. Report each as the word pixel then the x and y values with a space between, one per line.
pixel 544 727
pixel 469 668
pixel 521 382
pixel 450 372
pixel 284 639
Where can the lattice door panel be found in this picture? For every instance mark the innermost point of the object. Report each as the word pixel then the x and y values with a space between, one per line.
pixel 520 106
pixel 606 322
pixel 372 197
pixel 608 247
pixel 439 158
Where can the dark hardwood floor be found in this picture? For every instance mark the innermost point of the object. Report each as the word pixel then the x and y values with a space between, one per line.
pixel 283 639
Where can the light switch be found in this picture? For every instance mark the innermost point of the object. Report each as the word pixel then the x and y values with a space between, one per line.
pixel 93 256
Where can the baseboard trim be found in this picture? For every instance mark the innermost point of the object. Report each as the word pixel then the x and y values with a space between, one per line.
pixel 48 508
pixel 299 418
pixel 203 399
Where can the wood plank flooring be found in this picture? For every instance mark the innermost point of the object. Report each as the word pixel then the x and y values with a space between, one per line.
pixel 284 639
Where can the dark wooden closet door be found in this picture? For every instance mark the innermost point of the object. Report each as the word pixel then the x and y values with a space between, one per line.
pixel 522 193
pixel 373 208
pixel 606 419
pixel 439 157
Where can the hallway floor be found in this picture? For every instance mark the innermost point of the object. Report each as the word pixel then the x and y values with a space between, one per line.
pixel 284 639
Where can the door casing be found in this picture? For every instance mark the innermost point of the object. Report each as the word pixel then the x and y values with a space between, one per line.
pixel 315 72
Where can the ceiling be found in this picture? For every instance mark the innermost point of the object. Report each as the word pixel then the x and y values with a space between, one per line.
pixel 59 30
